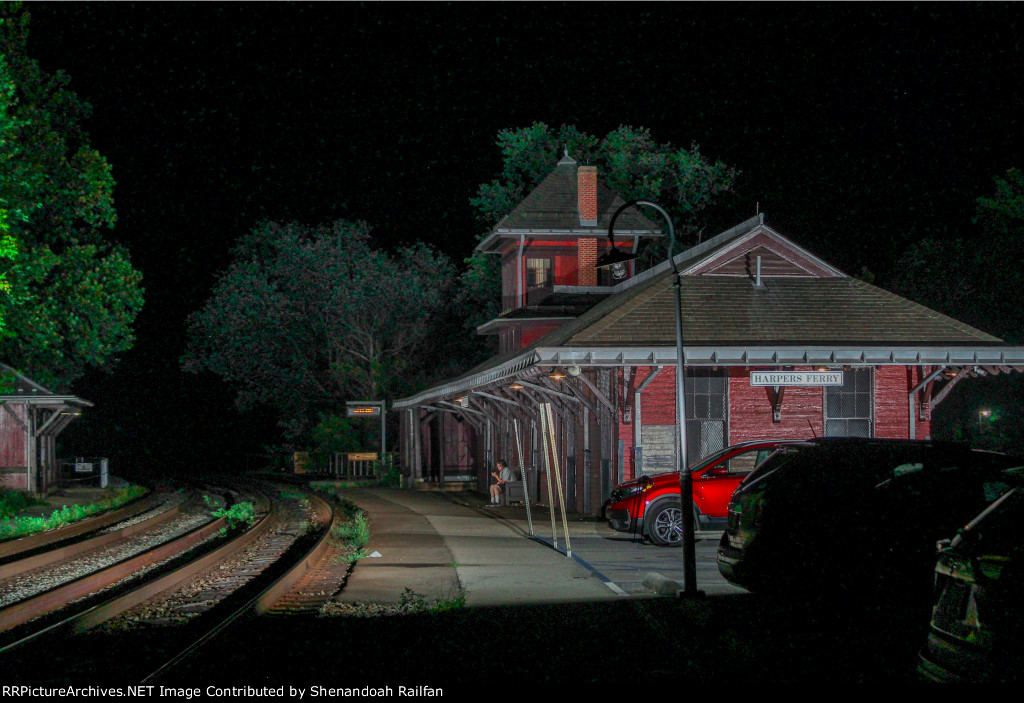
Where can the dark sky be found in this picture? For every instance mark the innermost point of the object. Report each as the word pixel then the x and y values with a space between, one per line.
pixel 858 127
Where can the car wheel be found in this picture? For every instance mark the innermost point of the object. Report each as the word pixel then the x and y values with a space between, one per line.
pixel 666 525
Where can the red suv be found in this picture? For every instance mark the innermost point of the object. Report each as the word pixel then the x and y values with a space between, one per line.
pixel 650 505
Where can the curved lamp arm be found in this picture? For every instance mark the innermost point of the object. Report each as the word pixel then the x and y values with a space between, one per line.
pixel 648 203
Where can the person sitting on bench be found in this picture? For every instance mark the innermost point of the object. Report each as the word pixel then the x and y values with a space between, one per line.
pixel 501 475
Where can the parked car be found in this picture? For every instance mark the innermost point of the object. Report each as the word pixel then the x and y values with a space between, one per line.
pixel 976 632
pixel 650 505
pixel 850 518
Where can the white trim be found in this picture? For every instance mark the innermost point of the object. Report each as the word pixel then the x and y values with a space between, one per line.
pixel 543 357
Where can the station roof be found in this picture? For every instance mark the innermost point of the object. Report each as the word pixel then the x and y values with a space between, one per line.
pixel 552 210
pixel 804 312
pixel 15 387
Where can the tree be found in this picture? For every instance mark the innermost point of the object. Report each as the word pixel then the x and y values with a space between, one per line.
pixel 1003 213
pixel 974 280
pixel 71 296
pixel 630 162
pixel 306 318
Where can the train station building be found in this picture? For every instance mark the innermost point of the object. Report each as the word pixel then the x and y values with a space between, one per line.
pixel 777 343
pixel 31 418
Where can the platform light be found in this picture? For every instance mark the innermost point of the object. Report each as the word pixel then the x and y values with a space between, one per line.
pixel 612 258
pixel 615 260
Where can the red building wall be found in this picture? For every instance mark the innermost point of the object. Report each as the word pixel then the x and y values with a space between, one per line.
pixel 892 408
pixel 12 447
pixel 750 408
pixel 532 332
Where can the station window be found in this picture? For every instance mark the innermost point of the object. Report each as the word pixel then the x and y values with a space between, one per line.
pixel 848 407
pixel 706 411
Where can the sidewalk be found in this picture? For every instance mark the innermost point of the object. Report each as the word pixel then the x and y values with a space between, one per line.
pixel 437 546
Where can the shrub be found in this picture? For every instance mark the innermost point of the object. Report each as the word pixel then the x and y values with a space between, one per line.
pixel 237 516
pixel 12 527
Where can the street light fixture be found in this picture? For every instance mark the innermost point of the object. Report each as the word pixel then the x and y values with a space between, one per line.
pixel 616 259
pixel 983 413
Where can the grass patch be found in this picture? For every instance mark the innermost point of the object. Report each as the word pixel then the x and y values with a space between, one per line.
pixel 413 602
pixel 351 534
pixel 13 502
pixel 12 527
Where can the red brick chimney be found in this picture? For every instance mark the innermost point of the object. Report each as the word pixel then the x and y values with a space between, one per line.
pixel 587 195
pixel 587 261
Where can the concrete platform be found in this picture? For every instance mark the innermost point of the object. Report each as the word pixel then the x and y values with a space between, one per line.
pixel 437 547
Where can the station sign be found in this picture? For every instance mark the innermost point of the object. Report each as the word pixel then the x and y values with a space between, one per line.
pixel 363 456
pixel 796 378
pixel 362 410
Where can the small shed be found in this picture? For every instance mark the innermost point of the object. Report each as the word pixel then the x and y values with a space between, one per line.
pixel 31 417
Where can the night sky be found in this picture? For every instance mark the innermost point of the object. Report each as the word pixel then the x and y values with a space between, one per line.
pixel 858 128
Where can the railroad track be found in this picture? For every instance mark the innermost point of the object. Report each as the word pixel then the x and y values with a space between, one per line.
pixel 282 565
pixel 43 582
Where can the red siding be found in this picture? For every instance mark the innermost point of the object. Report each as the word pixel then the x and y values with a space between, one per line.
pixel 657 407
pixel 750 410
pixel 892 408
pixel 532 332
pixel 12 436
pixel 566 273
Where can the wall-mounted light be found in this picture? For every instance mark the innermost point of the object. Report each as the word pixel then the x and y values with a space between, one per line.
pixel 556 375
pixel 516 387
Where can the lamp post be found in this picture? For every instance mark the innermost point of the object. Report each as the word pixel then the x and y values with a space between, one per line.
pixel 615 260
pixel 982 414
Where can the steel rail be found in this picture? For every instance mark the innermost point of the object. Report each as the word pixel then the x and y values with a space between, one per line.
pixel 52 600
pixel 36 561
pixel 288 581
pixel 261 602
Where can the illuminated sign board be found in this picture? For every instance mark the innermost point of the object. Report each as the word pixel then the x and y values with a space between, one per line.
pixel 363 456
pixel 796 378
pixel 362 410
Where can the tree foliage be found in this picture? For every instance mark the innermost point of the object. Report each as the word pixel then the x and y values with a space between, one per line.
pixel 69 296
pixel 1002 213
pixel 975 280
pixel 305 318
pixel 629 160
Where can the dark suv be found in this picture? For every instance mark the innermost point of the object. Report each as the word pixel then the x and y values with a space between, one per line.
pixel 650 505
pixel 851 517
pixel 977 626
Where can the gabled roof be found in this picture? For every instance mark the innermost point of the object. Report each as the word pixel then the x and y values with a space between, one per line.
pixel 809 313
pixel 552 209
pixel 15 387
